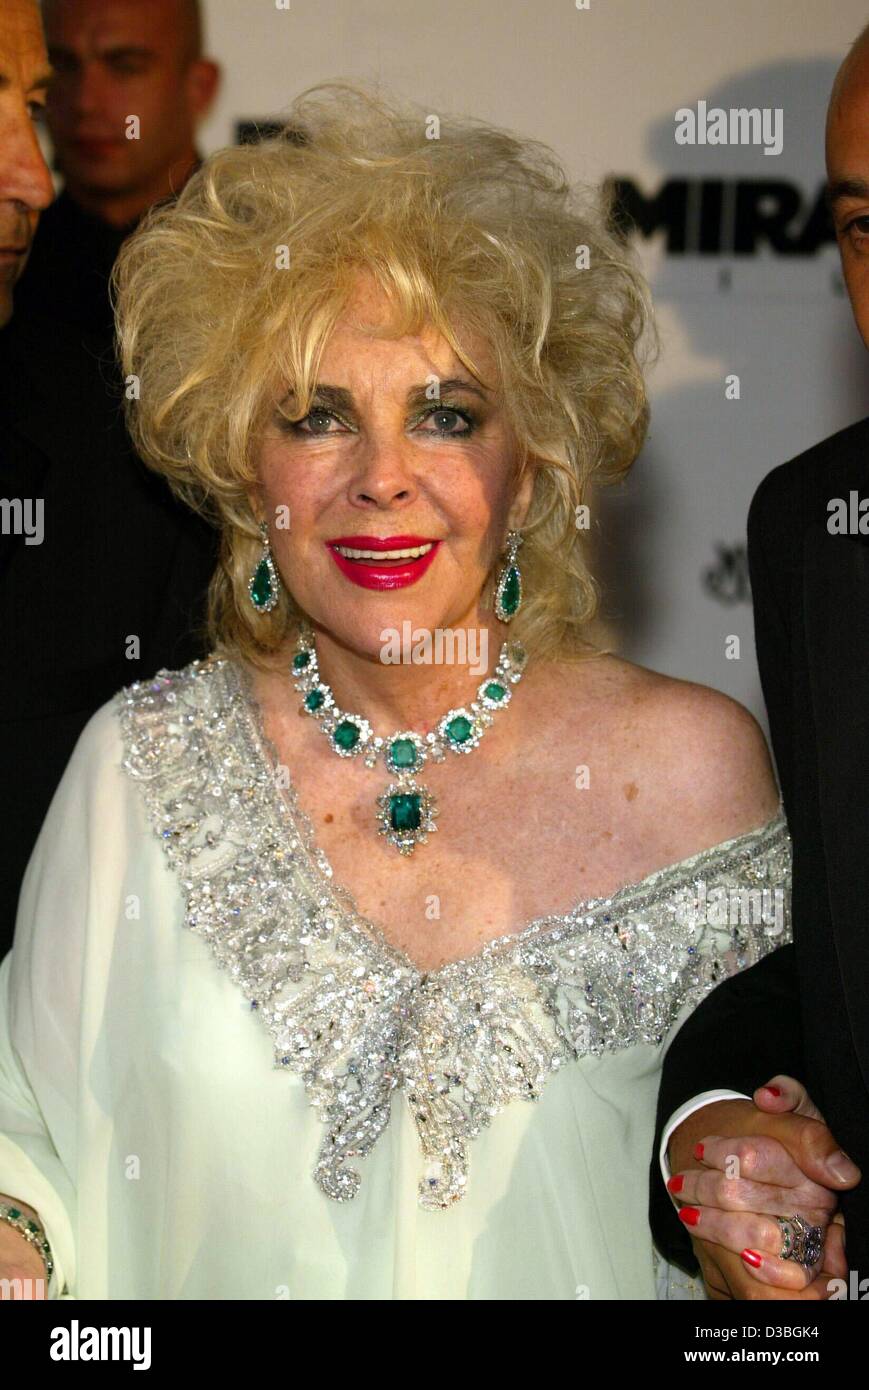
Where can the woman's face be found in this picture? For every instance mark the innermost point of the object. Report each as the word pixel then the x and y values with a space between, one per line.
pixel 378 457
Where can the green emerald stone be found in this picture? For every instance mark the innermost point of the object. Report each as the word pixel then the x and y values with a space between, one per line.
pixel 510 592
pixel 346 734
pixel 404 812
pixel 14 1213
pixel 495 691
pixel 314 700
pixel 261 588
pixel 301 660
pixel 403 752
pixel 459 729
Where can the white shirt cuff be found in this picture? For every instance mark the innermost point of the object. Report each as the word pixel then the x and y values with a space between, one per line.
pixel 696 1103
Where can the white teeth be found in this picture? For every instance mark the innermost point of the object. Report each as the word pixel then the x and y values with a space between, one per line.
pixel 384 554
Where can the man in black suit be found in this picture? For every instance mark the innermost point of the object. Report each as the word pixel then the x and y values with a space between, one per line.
pixel 803 1012
pixel 115 62
pixel 103 575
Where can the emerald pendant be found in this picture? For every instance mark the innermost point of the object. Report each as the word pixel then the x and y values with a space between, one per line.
pixel 406 812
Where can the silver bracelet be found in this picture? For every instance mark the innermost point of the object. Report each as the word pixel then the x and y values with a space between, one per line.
pixel 31 1232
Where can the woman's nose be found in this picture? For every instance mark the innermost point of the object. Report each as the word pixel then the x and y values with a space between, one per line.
pixel 385 474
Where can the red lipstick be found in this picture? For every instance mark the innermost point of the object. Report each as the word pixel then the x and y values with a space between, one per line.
pixel 388 574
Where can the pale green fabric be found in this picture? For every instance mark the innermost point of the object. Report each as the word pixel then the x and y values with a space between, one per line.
pixel 142 1116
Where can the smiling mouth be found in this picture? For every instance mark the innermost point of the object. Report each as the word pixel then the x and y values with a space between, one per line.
pixel 374 565
pixel 381 557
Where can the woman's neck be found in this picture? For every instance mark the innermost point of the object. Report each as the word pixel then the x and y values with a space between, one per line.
pixel 411 683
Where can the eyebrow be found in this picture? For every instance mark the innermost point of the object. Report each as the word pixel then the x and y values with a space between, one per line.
pixel 339 398
pixel 42 80
pixel 119 51
pixel 846 188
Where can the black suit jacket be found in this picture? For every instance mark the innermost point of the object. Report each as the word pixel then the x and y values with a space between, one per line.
pixel 804 1009
pixel 119 559
pixel 67 274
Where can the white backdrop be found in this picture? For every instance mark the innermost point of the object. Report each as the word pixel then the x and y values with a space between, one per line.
pixel 602 86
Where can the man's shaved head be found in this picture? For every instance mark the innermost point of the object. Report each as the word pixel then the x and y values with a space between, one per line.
pixel 190 29
pixel 186 23
pixel 847 153
pixel 114 60
pixel 850 70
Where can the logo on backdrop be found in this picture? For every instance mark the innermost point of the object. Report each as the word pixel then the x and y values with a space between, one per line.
pixel 721 217
pixel 727 579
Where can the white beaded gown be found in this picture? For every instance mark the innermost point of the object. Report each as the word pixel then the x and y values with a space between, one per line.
pixel 217 1080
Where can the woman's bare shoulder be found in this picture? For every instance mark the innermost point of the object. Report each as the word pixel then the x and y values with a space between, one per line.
pixel 682 743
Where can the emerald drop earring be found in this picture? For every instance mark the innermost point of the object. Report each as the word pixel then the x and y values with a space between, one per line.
pixel 264 583
pixel 508 590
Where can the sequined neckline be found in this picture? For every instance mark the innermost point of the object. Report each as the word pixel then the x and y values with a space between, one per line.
pixel 351 1015
pixel 342 900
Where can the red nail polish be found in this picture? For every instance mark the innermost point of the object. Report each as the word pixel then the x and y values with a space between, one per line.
pixel 773 1090
pixel 752 1258
pixel 676 1183
pixel 690 1215
pixel 698 1150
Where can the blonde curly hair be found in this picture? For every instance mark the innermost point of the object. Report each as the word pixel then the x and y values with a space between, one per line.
pixel 457 220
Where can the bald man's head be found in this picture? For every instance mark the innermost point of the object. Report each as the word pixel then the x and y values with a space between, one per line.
pixel 847 154
pixel 116 60
pixel 185 18
pixel 850 71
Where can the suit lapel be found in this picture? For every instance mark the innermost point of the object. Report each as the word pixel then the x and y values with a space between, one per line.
pixel 836 606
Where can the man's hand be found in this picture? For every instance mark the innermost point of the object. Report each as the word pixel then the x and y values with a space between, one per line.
pixel 738 1164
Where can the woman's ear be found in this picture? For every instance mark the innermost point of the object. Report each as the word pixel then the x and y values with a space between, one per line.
pixel 522 499
pixel 255 503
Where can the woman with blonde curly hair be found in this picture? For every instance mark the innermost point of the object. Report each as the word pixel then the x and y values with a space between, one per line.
pixel 309 920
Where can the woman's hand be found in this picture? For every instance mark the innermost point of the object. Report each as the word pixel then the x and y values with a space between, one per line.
pixel 739 1184
pixel 727 1276
pixel 734 1198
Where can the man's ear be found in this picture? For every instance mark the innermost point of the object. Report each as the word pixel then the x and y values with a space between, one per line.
pixel 203 80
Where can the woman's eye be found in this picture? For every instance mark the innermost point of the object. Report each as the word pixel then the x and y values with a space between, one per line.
pixel 319 419
pixel 448 422
pixel 446 418
pixel 315 418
